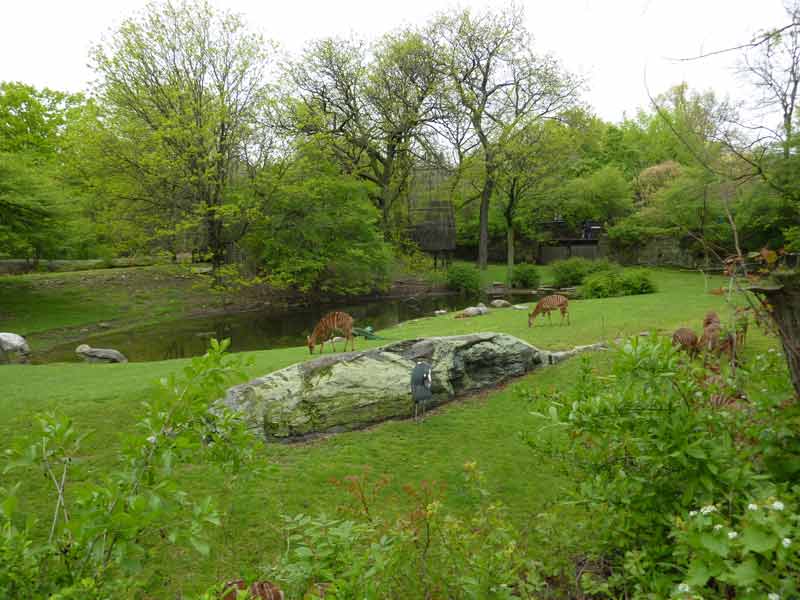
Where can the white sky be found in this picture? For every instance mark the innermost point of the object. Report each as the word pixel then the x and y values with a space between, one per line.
pixel 615 43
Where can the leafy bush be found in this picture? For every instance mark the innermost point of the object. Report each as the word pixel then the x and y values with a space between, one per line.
pixel 750 553
pixel 572 271
pixel 427 552
pixel 104 530
pixel 525 276
pixel 606 284
pixel 652 449
pixel 464 278
pixel 321 234
pixel 636 281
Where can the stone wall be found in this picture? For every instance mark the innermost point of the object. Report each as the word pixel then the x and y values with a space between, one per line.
pixel 665 251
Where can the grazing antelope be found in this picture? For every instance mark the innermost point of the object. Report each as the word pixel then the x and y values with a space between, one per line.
pixel 710 319
pixel 713 341
pixel 549 303
pixel 330 323
pixel 685 339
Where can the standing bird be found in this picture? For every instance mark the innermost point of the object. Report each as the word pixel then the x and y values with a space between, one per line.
pixel 549 303
pixel 421 381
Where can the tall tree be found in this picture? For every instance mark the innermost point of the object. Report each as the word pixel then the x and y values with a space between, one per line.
pixel 371 104
pixel 34 205
pixel 532 164
pixel 499 83
pixel 186 84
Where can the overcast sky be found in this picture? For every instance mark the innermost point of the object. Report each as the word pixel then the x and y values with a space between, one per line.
pixel 618 44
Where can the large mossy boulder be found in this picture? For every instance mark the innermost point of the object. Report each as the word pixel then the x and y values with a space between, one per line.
pixel 339 392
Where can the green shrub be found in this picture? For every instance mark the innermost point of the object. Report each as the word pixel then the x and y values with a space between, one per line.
pixel 463 278
pixel 636 281
pixel 430 552
pixel 604 284
pixel 136 508
pixel 682 503
pixel 525 276
pixel 572 271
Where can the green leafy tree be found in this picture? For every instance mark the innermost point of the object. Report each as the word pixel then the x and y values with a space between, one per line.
pixel 321 233
pixel 496 83
pixel 533 163
pixel 36 209
pixel 370 105
pixel 182 87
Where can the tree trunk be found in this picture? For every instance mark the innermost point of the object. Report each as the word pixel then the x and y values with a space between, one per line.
pixel 215 242
pixel 784 299
pixel 483 243
pixel 510 255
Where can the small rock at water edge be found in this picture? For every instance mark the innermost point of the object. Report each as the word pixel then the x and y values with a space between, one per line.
pixel 105 355
pixel 11 343
pixel 500 303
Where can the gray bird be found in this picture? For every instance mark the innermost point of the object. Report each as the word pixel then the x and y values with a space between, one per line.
pixel 421 381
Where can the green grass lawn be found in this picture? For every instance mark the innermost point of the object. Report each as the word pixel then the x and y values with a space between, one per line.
pixel 106 399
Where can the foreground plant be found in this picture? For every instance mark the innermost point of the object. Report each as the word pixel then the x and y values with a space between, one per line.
pixel 102 533
pixel 657 439
pixel 428 552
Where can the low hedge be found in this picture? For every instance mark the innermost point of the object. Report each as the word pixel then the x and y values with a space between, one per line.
pixel 525 276
pixel 573 271
pixel 464 279
pixel 617 282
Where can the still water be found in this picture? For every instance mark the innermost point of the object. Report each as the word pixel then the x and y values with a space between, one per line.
pixel 256 330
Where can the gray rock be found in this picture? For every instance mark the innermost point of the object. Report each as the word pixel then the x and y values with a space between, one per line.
pixel 355 389
pixel 104 355
pixel 13 344
pixel 440 312
pixel 474 311
pixel 500 303
pixel 520 307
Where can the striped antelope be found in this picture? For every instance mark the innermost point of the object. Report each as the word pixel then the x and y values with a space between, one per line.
pixel 330 323
pixel 714 341
pixel 550 303
pixel 685 339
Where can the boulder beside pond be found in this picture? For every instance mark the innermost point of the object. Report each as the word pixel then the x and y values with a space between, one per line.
pixel 102 355
pixel 355 389
pixel 473 311
pixel 500 303
pixel 12 344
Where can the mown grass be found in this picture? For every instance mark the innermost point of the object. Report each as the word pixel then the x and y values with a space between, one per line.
pixel 106 400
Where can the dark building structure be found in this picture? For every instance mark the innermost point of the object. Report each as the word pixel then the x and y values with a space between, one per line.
pixel 433 229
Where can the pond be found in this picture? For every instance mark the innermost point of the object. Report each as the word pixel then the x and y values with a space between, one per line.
pixel 254 330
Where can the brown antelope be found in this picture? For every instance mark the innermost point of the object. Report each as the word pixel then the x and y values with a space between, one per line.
pixel 685 339
pixel 550 303
pixel 260 590
pixel 710 319
pixel 330 323
pixel 713 341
